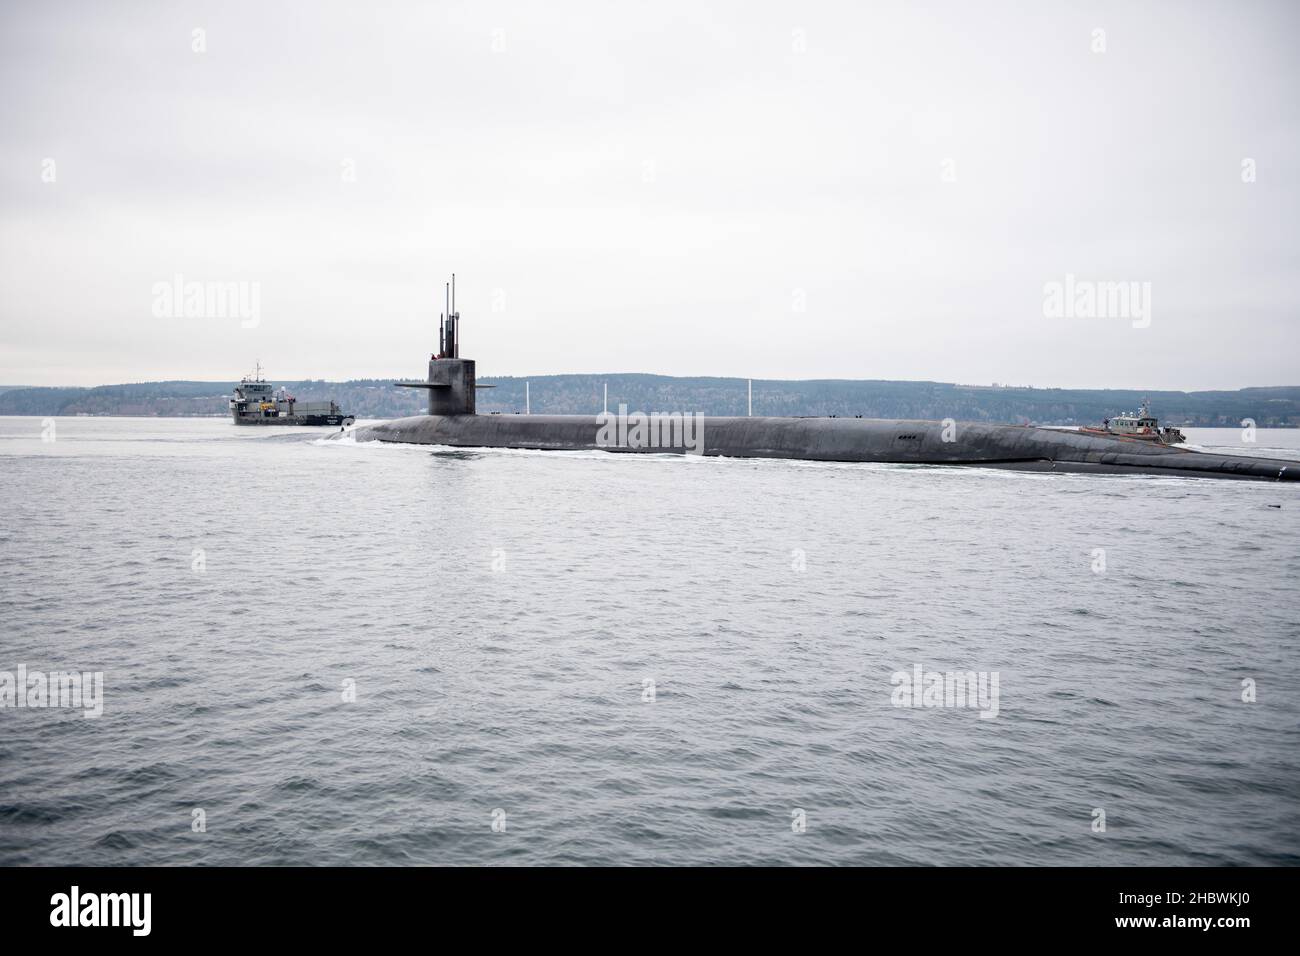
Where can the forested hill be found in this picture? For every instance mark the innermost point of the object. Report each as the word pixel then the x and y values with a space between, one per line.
pixel 578 394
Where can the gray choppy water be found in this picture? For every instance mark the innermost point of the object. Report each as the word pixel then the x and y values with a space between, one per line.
pixel 500 612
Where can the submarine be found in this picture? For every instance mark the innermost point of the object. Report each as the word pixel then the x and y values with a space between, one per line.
pixel 452 420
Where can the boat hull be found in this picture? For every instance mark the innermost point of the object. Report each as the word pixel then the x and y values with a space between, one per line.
pixel 845 440
pixel 336 420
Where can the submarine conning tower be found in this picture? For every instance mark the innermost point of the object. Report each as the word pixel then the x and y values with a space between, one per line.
pixel 451 382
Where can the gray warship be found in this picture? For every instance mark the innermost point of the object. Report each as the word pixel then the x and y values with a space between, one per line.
pixel 452 420
pixel 256 403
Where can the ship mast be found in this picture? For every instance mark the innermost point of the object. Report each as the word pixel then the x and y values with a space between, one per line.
pixel 449 322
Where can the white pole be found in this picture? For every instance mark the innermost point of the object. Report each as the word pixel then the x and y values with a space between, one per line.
pixel 607 398
pixel 751 396
pixel 528 403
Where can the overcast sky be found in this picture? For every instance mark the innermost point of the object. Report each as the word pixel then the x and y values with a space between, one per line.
pixel 776 190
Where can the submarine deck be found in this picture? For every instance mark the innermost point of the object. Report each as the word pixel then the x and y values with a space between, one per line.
pixel 1024 447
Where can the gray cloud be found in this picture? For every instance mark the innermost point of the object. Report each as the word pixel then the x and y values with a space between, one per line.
pixel 652 187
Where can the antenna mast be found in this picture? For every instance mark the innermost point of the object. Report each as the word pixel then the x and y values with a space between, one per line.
pixel 449 322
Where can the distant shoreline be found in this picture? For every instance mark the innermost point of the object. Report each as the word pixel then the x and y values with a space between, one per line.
pixel 1267 407
pixel 360 419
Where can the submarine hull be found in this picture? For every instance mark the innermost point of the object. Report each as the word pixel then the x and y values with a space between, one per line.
pixel 1027 448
